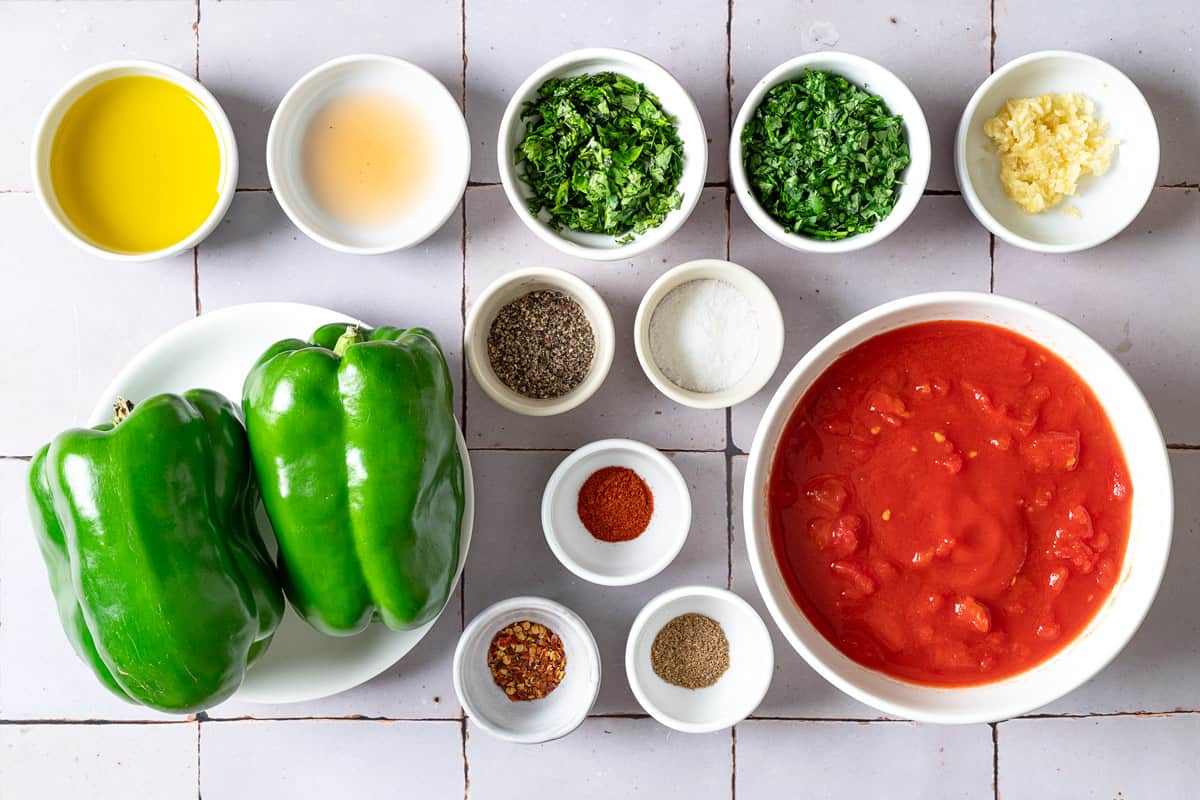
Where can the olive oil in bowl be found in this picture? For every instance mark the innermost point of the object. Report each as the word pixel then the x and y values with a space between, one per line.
pixel 135 165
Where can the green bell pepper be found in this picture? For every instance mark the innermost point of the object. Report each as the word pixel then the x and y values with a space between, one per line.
pixel 356 448
pixel 163 584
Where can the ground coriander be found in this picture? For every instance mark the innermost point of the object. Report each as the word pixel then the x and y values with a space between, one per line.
pixel 690 651
pixel 541 345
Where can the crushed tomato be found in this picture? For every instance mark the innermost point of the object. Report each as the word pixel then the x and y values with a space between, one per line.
pixel 949 503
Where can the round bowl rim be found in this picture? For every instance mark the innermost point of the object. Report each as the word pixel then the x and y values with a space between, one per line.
pixel 43 140
pixel 770 318
pixel 637 631
pixel 762 557
pixel 510 180
pixel 604 334
pixel 600 446
pixel 506 606
pixel 920 152
pixel 457 128
pixel 967 186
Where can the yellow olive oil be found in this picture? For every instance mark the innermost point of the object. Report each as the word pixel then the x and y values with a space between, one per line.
pixel 136 164
pixel 366 157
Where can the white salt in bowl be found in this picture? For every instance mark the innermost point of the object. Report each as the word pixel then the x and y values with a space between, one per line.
pixel 735 695
pixel 767 314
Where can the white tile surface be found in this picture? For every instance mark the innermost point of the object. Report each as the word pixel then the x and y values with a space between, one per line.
pixel 1153 42
pixel 80 319
pixel 252 51
pixel 688 43
pixel 603 759
pixel 939 247
pixel 1132 296
pixel 1126 758
pixel 509 555
pixel 900 36
pixel 627 405
pixel 44 45
pixel 132 762
pixel 320 759
pixel 850 760
pixel 73 321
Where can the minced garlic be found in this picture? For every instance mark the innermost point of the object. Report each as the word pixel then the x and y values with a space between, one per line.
pixel 1046 144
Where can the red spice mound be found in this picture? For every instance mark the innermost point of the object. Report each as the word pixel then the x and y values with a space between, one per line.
pixel 615 504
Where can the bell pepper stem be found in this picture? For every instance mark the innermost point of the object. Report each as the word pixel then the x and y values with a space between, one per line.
pixel 122 408
pixel 352 336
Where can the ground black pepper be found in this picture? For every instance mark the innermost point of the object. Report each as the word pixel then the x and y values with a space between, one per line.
pixel 690 651
pixel 541 345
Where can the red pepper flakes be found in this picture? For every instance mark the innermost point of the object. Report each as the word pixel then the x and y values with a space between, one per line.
pixel 615 504
pixel 527 660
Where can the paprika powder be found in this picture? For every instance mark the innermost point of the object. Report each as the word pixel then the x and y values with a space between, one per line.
pixel 615 504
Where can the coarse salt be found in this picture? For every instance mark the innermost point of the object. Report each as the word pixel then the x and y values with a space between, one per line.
pixel 704 335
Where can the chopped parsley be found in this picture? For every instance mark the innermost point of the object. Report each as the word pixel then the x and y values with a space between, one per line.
pixel 600 155
pixel 823 157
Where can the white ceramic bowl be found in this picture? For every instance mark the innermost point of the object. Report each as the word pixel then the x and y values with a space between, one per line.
pixel 450 160
pixel 529 721
pixel 616 563
pixel 770 331
pixel 1106 203
pixel 735 694
pixel 1146 553
pixel 675 101
pixel 878 81
pixel 509 287
pixel 52 117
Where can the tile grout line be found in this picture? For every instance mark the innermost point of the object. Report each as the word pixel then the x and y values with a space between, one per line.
pixel 995 760
pixel 196 38
pixel 462 579
pixel 199 793
pixel 462 721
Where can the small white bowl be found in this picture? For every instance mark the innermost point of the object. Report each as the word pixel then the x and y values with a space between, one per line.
pixel 1106 203
pixel 616 563
pixel 735 695
pixel 874 79
pixel 509 287
pixel 528 721
pixel 1145 554
pixel 675 101
pixel 770 331
pixel 451 161
pixel 47 127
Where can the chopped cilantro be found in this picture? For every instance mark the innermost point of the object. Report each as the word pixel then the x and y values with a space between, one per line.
pixel 823 157
pixel 600 155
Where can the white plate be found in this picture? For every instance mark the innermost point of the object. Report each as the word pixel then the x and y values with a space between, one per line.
pixel 215 351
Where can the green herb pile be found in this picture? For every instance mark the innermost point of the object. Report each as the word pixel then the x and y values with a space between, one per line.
pixel 824 157
pixel 600 155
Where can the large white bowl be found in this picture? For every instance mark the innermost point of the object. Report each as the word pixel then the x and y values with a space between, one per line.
pixel 215 351
pixel 875 79
pixel 1146 553
pixel 675 101
pixel 1106 203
